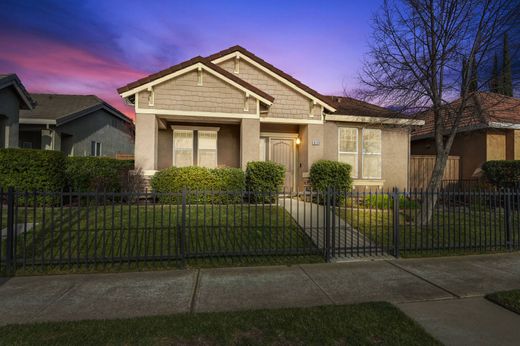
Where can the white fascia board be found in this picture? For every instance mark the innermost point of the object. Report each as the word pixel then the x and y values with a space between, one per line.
pixel 273 74
pixel 367 119
pixel 196 114
pixel 30 121
pixel 189 69
pixel 501 125
pixel 289 121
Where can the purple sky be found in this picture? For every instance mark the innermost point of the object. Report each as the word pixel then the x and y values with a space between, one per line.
pixel 93 47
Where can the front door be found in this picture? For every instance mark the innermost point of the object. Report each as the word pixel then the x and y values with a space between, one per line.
pixel 282 152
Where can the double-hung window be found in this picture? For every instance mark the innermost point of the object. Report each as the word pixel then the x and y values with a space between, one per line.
pixel 195 147
pixel 182 148
pixel 360 148
pixel 371 154
pixel 348 148
pixel 207 149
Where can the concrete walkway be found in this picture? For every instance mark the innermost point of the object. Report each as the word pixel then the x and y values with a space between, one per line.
pixel 311 218
pixel 439 284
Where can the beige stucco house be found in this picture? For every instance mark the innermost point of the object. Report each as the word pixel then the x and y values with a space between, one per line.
pixel 233 107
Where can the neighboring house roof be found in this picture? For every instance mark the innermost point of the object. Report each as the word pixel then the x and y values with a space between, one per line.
pixel 270 67
pixel 59 109
pixel 191 62
pixel 483 110
pixel 12 80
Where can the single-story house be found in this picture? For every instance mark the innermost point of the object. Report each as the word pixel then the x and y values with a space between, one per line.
pixel 233 107
pixel 78 125
pixel 489 130
pixel 13 97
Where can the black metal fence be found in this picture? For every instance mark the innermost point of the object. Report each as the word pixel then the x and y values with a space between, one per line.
pixel 69 230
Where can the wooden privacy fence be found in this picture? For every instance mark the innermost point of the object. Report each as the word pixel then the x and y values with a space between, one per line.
pixel 123 156
pixel 421 168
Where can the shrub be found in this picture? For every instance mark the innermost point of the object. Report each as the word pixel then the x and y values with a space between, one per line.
pixel 220 185
pixel 325 174
pixel 32 169
pixel 264 179
pixel 503 173
pixel 384 201
pixel 97 173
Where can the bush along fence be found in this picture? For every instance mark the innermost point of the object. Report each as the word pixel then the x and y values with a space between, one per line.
pixel 41 231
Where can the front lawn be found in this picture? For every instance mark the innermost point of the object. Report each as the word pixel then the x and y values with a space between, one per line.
pixel 454 229
pixel 508 299
pixel 360 324
pixel 93 235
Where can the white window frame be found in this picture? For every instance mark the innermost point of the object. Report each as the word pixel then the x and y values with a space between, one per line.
pixel 186 149
pixel 363 153
pixel 354 176
pixel 216 147
pixel 97 152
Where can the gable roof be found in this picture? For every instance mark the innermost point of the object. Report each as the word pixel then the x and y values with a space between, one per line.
pixel 273 69
pixel 155 76
pixel 484 110
pixel 12 80
pixel 59 109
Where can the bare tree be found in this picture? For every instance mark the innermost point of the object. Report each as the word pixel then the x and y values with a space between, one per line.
pixel 416 56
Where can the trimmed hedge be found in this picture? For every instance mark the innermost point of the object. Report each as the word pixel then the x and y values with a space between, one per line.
pixel 264 178
pixel 32 170
pixel 384 201
pixel 325 174
pixel 220 185
pixel 503 173
pixel 97 173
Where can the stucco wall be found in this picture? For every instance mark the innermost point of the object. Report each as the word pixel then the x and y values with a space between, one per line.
pixel 99 126
pixel 9 112
pixel 183 94
pixel 288 103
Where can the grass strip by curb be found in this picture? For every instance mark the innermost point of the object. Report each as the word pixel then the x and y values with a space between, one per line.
pixel 507 299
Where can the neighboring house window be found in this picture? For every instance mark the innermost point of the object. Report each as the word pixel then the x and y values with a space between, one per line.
pixel 348 148
pixel 207 149
pixel 95 148
pixel 182 148
pixel 371 154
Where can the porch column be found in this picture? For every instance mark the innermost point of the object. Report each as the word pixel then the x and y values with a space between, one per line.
pixel 146 142
pixel 249 141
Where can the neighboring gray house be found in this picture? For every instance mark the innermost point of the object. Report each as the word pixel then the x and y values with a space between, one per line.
pixel 13 97
pixel 78 125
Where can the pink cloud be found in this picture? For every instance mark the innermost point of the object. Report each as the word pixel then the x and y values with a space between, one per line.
pixel 50 66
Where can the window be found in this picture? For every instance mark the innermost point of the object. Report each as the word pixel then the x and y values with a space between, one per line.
pixel 263 149
pixel 370 144
pixel 371 154
pixel 95 148
pixel 182 148
pixel 207 149
pixel 348 148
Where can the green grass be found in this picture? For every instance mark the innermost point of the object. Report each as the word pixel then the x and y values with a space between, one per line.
pixel 360 324
pixel 508 299
pixel 452 231
pixel 88 235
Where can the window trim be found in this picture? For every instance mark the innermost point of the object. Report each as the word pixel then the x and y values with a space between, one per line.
pixel 195 141
pixel 349 152
pixel 363 153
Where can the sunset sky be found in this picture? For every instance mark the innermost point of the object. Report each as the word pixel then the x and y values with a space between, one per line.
pixel 95 46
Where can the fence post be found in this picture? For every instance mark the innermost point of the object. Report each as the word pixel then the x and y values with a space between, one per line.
pixel 9 260
pixel 395 205
pixel 508 220
pixel 327 225
pixel 182 233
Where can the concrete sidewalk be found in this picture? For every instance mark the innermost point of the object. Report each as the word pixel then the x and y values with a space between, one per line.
pixel 123 295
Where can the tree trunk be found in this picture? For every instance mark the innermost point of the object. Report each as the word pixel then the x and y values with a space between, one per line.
pixel 429 197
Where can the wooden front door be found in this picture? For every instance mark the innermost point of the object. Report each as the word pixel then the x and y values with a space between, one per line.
pixel 282 152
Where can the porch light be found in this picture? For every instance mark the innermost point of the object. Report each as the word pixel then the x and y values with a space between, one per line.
pixel 298 141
